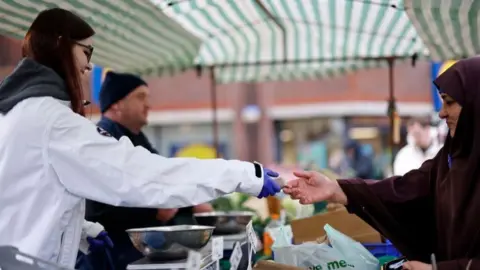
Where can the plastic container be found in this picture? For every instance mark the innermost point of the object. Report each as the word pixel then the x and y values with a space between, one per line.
pixel 267 238
pixel 383 249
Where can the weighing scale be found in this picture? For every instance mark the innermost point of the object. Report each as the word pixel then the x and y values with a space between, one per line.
pixel 148 264
pixel 208 263
pixel 230 240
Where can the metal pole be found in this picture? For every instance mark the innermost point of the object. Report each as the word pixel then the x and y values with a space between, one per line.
pixel 283 62
pixel 279 25
pixel 392 110
pixel 213 96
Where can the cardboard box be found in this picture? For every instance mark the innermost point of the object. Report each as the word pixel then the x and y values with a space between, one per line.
pixel 311 229
pixel 271 265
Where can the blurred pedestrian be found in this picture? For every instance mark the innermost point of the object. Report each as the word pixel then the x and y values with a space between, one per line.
pixel 359 162
pixel 422 144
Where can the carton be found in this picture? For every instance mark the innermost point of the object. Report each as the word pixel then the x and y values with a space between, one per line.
pixel 271 265
pixel 311 228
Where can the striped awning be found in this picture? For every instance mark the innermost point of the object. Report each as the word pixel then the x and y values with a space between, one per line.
pixel 132 35
pixel 449 28
pixel 334 35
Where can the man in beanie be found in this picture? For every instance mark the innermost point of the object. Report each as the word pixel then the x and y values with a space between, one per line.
pixel 124 107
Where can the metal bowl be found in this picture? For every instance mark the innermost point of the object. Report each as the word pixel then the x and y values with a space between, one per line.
pixel 231 222
pixel 170 242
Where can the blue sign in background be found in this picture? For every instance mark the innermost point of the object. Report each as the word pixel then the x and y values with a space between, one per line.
pixel 98 74
pixel 437 100
pixel 437 69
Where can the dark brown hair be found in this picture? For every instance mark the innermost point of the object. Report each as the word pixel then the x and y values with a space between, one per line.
pixel 50 40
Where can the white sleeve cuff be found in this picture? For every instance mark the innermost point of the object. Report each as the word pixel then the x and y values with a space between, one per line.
pixel 250 183
pixel 89 229
pixel 92 229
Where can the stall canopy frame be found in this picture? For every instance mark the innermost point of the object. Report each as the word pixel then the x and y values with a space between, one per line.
pixel 277 17
pixel 239 35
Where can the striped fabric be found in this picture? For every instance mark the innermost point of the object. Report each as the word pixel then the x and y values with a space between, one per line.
pixel 239 31
pixel 132 35
pixel 449 28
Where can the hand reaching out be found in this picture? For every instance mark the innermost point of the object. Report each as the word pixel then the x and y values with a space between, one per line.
pixel 414 265
pixel 312 187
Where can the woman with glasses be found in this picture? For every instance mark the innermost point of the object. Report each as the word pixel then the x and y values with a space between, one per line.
pixel 52 158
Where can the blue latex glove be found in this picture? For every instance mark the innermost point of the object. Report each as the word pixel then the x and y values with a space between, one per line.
pixel 270 187
pixel 100 242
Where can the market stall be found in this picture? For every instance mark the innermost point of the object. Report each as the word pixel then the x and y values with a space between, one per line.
pixel 237 41
pixel 253 41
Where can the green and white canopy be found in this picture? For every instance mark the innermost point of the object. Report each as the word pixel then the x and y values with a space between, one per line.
pixel 449 28
pixel 132 35
pixel 153 36
pixel 239 31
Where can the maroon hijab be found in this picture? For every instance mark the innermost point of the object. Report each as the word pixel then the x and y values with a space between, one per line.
pixel 436 208
pixel 457 187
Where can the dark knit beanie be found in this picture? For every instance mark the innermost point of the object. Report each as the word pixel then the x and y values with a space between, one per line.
pixel 117 86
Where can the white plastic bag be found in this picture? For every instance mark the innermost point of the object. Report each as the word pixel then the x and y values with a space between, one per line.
pixel 343 253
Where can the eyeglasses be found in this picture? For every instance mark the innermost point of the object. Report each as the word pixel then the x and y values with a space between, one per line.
pixel 88 53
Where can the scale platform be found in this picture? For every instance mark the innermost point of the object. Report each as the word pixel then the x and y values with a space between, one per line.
pixel 230 240
pixel 147 264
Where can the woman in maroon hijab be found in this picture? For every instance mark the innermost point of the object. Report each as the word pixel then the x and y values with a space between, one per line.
pixel 432 210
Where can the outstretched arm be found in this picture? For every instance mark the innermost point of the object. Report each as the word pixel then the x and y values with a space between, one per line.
pixel 92 165
pixel 401 208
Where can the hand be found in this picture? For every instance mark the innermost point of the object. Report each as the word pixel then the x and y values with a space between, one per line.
pixel 166 214
pixel 414 265
pixel 100 242
pixel 203 208
pixel 312 187
pixel 270 187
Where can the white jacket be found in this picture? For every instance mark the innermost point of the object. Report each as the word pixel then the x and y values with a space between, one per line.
pixel 411 157
pixel 51 159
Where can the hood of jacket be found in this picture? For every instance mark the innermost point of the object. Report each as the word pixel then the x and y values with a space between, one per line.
pixel 30 79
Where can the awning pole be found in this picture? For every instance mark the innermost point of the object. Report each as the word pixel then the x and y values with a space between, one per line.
pixel 392 110
pixel 213 97
pixel 279 25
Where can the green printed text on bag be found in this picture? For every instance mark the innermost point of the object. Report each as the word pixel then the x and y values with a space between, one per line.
pixel 333 265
